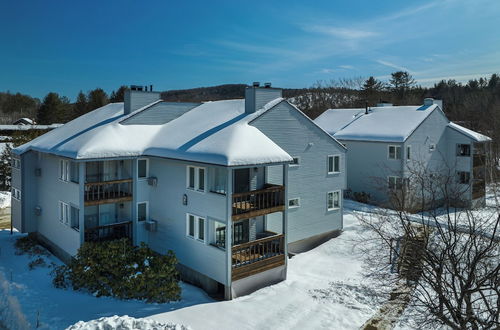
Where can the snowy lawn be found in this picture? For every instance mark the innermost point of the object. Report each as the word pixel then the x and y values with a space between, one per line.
pixel 325 289
pixel 60 308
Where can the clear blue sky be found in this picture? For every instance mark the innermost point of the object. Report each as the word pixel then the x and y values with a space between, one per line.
pixel 67 46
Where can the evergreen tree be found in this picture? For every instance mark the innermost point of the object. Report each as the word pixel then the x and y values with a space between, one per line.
pixel 52 110
pixel 5 171
pixel 401 82
pixel 97 98
pixel 371 89
pixel 119 95
pixel 81 105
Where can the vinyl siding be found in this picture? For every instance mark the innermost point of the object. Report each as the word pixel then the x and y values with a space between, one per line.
pixel 300 137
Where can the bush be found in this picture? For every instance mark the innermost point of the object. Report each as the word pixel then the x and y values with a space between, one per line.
pixel 119 269
pixel 29 244
pixel 362 197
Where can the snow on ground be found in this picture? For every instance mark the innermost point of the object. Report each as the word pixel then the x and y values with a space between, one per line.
pixel 4 199
pixel 325 289
pixel 124 323
pixel 60 308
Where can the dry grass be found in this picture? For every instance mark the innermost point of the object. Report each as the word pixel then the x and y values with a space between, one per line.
pixel 5 221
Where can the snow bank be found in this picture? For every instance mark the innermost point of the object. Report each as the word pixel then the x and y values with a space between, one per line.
pixel 11 315
pixel 125 323
pixel 4 199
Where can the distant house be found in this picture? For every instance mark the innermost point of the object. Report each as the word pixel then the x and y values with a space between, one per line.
pixel 232 187
pixel 24 121
pixel 387 145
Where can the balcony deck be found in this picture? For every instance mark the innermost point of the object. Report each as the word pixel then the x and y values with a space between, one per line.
pixel 109 232
pixel 258 256
pixel 258 202
pixel 115 191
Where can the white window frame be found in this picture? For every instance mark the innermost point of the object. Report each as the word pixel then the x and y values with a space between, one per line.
pixel 64 170
pixel 64 213
pixel 16 194
pixel 294 206
pixel 396 147
pixel 395 177
pixel 196 186
pixel 333 164
pixel 295 164
pixel 16 163
pixel 333 208
pixel 432 147
pixel 459 177
pixel 137 211
pixel 408 152
pixel 470 149
pixel 147 169
pixel 196 228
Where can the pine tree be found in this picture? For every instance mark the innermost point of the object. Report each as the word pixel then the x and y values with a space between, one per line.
pixel 119 95
pixel 51 110
pixel 97 98
pixel 81 104
pixel 401 82
pixel 5 170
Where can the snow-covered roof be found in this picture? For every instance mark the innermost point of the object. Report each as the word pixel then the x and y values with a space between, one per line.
pixel 473 135
pixel 383 124
pixel 28 127
pixel 214 132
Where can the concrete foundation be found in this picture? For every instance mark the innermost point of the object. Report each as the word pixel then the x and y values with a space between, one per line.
pixel 311 242
pixel 191 276
pixel 54 249
pixel 258 281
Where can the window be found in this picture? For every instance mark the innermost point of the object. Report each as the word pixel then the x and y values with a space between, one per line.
pixel 74 172
pixel 196 178
pixel 463 150
pixel 68 171
pixel 394 152
pixel 142 168
pixel 296 161
pixel 195 227
pixel 142 211
pixel 219 239
pixel 395 182
pixel 16 162
pixel 64 214
pixel 293 203
pixel 333 164
pixel 432 147
pixel 333 200
pixel 218 179
pixel 408 152
pixel 75 219
pixel 16 193
pixel 463 177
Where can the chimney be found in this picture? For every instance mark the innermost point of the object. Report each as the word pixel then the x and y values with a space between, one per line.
pixel 256 97
pixel 430 101
pixel 137 97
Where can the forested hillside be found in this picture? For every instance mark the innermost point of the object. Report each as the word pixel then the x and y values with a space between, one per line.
pixel 475 104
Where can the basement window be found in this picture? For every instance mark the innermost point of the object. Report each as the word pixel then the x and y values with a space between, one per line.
pixel 293 203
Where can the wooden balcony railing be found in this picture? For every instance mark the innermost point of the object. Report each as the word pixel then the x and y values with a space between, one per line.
pixel 109 232
pixel 108 192
pixel 258 256
pixel 258 202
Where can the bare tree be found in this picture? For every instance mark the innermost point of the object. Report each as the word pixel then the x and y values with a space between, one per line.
pixel 447 258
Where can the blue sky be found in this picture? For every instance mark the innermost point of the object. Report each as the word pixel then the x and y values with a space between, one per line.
pixel 68 46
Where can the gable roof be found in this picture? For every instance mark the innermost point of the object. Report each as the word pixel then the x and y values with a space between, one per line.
pixel 470 133
pixel 213 132
pixel 381 124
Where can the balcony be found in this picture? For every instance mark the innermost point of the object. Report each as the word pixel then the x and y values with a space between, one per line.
pixel 258 202
pixel 115 191
pixel 109 232
pixel 258 256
